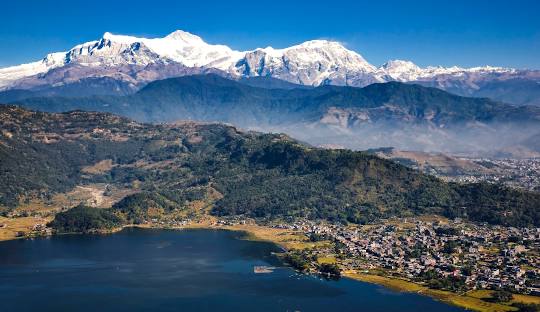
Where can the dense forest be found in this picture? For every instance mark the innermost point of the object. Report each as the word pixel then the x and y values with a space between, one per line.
pixel 257 175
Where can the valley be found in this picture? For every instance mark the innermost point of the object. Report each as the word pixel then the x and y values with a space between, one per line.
pixel 270 156
pixel 319 204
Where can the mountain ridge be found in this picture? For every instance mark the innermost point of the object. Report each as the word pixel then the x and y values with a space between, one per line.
pixel 385 114
pixel 313 63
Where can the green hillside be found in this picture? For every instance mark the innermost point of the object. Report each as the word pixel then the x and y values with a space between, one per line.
pixel 257 175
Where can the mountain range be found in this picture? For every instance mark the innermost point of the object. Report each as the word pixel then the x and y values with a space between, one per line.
pixel 119 65
pixel 406 116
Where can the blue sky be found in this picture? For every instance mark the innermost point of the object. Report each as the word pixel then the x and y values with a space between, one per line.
pixel 465 33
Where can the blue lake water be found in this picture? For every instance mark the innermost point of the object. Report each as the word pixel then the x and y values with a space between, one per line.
pixel 167 270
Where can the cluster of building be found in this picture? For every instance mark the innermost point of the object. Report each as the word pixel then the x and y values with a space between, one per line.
pixel 518 173
pixel 481 256
pixel 38 229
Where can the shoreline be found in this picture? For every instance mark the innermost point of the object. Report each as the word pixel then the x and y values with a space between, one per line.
pixel 466 301
pixel 471 300
pixel 287 240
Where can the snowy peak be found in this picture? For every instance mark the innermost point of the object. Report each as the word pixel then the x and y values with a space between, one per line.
pixel 400 70
pixel 54 59
pixel 10 75
pixel 179 46
pixel 331 51
pixel 399 65
pixel 177 35
pixel 313 62
pixel 122 39
pixel 185 37
pixel 319 44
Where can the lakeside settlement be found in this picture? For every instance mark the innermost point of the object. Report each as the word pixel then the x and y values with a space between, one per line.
pixel 459 262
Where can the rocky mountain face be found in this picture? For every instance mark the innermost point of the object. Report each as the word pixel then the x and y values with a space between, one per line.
pixel 408 117
pixel 138 61
pixel 312 63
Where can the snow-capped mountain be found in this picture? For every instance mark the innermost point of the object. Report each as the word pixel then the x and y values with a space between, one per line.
pixel 137 61
pixel 400 70
pixel 313 63
pixel 9 75
pixel 310 63
pixel 124 54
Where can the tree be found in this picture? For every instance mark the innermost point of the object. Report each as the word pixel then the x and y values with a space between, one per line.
pixel 330 269
pixel 297 260
pixel 502 296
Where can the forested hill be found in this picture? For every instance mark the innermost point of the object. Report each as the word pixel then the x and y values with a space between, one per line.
pixel 248 173
pixel 214 98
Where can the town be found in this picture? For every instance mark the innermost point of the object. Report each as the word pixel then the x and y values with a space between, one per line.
pixel 469 256
pixel 516 173
pixel 444 254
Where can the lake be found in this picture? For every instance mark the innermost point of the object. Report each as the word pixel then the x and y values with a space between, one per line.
pixel 169 270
